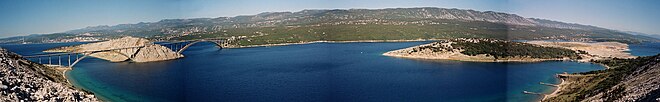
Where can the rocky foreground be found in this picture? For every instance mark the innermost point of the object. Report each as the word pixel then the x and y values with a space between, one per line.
pixel 22 80
pixel 145 50
pixel 627 80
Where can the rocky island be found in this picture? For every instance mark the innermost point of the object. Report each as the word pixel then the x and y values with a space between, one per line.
pixel 23 80
pixel 145 50
pixel 485 50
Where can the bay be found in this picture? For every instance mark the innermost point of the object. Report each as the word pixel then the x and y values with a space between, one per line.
pixel 311 72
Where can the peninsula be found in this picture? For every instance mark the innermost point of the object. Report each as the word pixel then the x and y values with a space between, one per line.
pixel 485 50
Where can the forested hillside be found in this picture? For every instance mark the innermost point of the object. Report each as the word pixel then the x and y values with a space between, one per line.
pixel 351 24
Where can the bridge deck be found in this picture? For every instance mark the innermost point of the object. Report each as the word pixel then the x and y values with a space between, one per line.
pixel 55 59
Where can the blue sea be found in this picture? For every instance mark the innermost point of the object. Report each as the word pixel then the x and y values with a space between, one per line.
pixel 314 72
pixel 644 49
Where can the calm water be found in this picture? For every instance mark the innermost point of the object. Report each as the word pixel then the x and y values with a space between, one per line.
pixel 312 72
pixel 645 49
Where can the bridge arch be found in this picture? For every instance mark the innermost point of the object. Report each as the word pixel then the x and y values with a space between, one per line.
pixel 195 42
pixel 85 55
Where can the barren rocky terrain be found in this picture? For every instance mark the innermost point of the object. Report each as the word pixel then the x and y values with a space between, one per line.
pixel 597 50
pixel 22 80
pixel 142 50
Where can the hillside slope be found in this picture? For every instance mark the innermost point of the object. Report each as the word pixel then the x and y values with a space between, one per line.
pixel 22 80
pixel 351 24
pixel 626 80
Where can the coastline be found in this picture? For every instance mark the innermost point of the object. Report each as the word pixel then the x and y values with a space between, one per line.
pixel 599 50
pixel 31 81
pixel 100 97
pixel 122 49
pixel 78 86
pixel 590 51
pixel 327 41
pixel 564 83
pixel 476 59
pixel 73 84
pixel 448 53
pixel 594 50
pixel 556 91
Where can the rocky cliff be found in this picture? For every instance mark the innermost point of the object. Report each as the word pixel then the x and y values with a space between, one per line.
pixel 22 80
pixel 155 53
pixel 142 50
pixel 642 84
pixel 626 80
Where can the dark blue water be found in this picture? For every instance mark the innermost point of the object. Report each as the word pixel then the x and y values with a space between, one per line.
pixel 312 72
pixel 33 49
pixel 645 49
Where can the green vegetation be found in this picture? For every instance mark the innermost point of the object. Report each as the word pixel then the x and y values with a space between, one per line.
pixel 590 83
pixel 350 25
pixel 506 49
pixel 619 69
pixel 352 32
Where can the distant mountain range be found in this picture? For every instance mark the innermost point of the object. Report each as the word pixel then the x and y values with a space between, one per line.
pixel 313 16
pixel 657 36
pixel 468 23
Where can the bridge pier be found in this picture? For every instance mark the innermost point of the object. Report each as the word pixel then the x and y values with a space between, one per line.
pixel 177 47
pixel 174 46
pixel 59 58
pixel 69 60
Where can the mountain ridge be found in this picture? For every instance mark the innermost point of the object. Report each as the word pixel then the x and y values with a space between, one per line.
pixel 386 16
pixel 518 20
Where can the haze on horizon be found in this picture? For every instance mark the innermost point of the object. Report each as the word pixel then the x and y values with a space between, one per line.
pixel 24 17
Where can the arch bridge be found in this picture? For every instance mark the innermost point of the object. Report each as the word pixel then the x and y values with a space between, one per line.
pixel 69 59
pixel 180 46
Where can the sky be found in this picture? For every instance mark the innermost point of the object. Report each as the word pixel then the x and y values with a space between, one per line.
pixel 24 17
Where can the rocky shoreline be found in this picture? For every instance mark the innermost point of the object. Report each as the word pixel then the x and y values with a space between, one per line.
pixel 445 51
pixel 595 51
pixel 324 41
pixel 147 51
pixel 627 80
pixel 23 80
pixel 561 85
pixel 588 52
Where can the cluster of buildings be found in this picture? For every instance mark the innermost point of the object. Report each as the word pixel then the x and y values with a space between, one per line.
pixel 74 39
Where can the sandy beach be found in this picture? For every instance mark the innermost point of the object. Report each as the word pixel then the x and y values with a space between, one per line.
pixel 559 87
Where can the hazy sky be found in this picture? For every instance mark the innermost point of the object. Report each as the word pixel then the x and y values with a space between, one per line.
pixel 23 17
